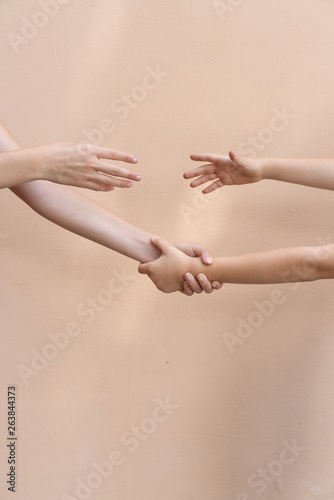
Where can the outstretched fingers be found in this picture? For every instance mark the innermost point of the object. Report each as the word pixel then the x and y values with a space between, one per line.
pixel 205 157
pixel 113 154
pixel 203 179
pixel 202 170
pixel 215 185
pixel 109 169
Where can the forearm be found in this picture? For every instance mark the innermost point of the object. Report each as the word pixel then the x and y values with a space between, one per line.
pixel 18 167
pixel 274 266
pixel 71 210
pixel 313 172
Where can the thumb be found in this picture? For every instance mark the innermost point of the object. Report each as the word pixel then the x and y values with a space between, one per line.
pixel 237 159
pixel 161 244
pixel 206 257
pixel 203 253
pixel 144 268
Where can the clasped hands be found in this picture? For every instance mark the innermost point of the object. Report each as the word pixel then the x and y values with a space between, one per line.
pixel 174 270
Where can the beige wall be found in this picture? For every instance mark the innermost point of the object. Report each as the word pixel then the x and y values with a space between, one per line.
pixel 229 70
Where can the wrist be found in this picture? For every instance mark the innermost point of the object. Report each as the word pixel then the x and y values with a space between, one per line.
pixel 267 168
pixel 21 163
pixel 39 164
pixel 195 266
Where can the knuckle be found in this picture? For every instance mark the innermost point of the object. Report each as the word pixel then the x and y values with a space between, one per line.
pixel 85 149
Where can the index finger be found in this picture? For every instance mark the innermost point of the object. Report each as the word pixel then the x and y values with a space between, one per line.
pixel 205 157
pixel 187 290
pixel 113 154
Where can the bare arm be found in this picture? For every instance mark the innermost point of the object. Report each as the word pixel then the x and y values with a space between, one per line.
pixel 283 265
pixel 274 266
pixel 73 211
pixel 81 165
pixel 235 170
pixel 313 172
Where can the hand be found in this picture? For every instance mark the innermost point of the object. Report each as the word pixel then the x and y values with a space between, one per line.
pixel 167 272
pixel 82 165
pixel 191 284
pixel 225 170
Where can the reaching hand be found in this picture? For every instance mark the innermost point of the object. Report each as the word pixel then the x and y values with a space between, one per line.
pixel 82 165
pixel 224 170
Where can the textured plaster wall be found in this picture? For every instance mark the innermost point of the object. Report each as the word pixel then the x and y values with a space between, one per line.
pixel 151 382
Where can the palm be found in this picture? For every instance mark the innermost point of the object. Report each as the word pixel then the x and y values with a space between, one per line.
pixel 233 173
pixel 223 171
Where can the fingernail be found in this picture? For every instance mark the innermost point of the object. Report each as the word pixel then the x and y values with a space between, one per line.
pixel 138 177
pixel 188 276
pixel 135 160
pixel 214 285
pixel 208 260
pixel 200 277
pixel 129 184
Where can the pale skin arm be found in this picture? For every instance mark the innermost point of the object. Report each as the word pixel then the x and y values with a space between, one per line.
pixel 80 165
pixel 236 170
pixel 71 210
pixel 283 265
